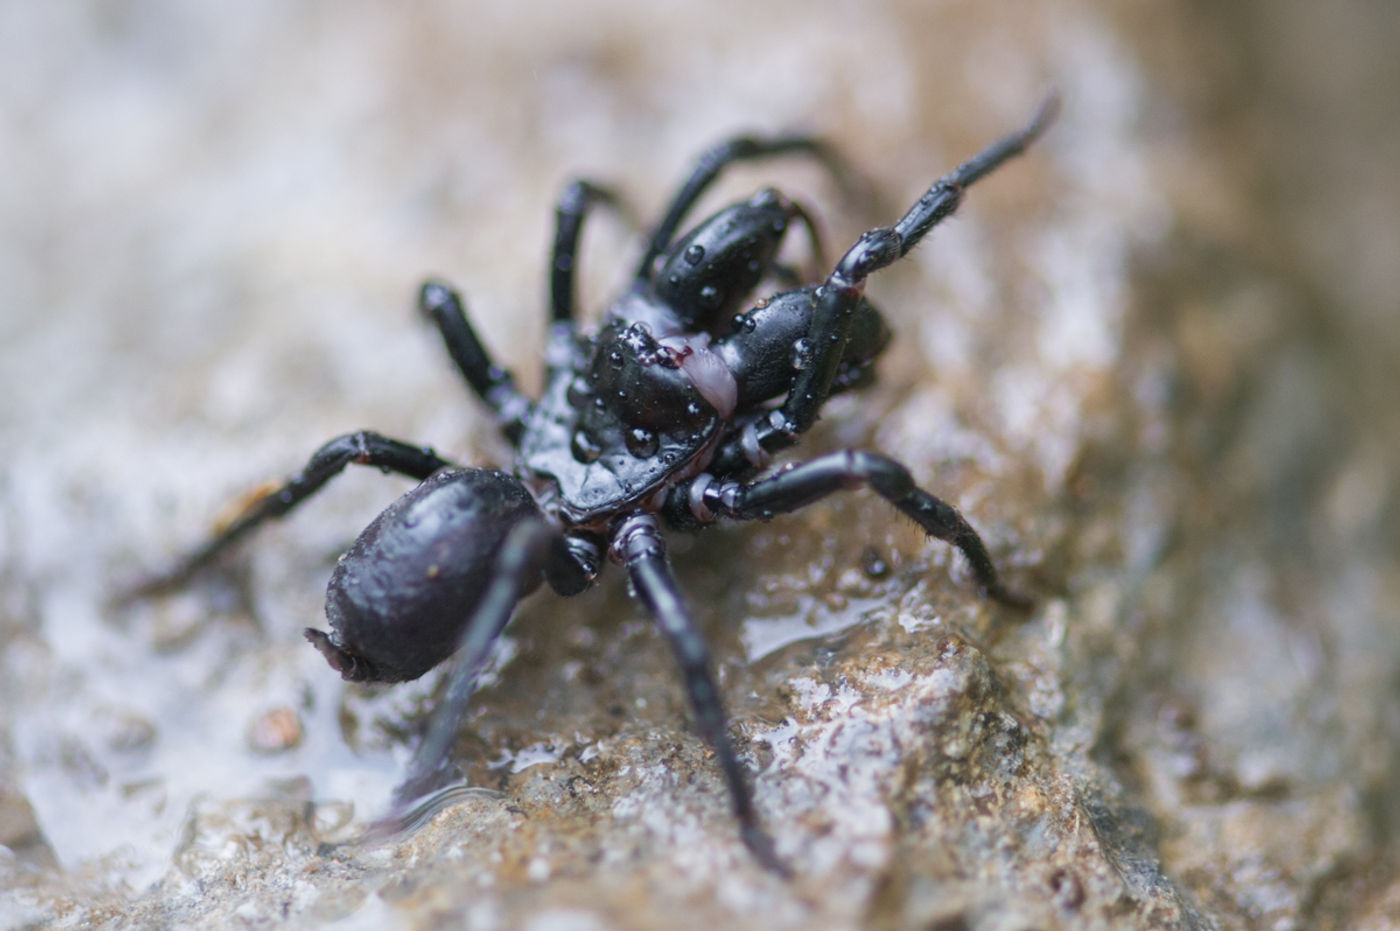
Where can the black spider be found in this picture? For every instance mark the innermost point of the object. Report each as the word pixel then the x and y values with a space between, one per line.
pixel 670 412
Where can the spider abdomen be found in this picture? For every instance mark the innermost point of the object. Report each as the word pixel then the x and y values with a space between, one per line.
pixel 399 598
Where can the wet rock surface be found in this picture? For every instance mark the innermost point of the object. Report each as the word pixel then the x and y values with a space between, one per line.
pixel 1151 362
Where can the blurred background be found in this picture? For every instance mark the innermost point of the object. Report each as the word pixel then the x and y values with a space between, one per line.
pixel 1153 361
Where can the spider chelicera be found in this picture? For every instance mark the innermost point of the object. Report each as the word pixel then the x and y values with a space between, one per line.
pixel 669 413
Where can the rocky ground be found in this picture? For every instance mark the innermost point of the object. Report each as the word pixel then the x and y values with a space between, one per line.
pixel 1152 362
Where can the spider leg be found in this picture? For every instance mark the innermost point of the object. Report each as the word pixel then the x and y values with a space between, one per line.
pixel 811 481
pixel 564 352
pixel 643 550
pixel 814 236
pixel 712 162
pixel 531 548
pixel 493 384
pixel 361 448
pixel 574 204
pixel 839 297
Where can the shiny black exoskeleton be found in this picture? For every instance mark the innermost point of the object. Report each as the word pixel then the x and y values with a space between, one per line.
pixel 669 413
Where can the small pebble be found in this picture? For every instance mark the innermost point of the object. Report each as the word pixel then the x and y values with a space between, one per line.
pixel 275 731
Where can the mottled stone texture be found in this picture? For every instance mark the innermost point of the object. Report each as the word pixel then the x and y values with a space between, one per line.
pixel 1153 362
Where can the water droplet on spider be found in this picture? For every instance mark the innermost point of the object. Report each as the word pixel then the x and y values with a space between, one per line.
pixel 695 254
pixel 585 448
pixel 709 296
pixel 801 354
pixel 641 443
pixel 616 359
